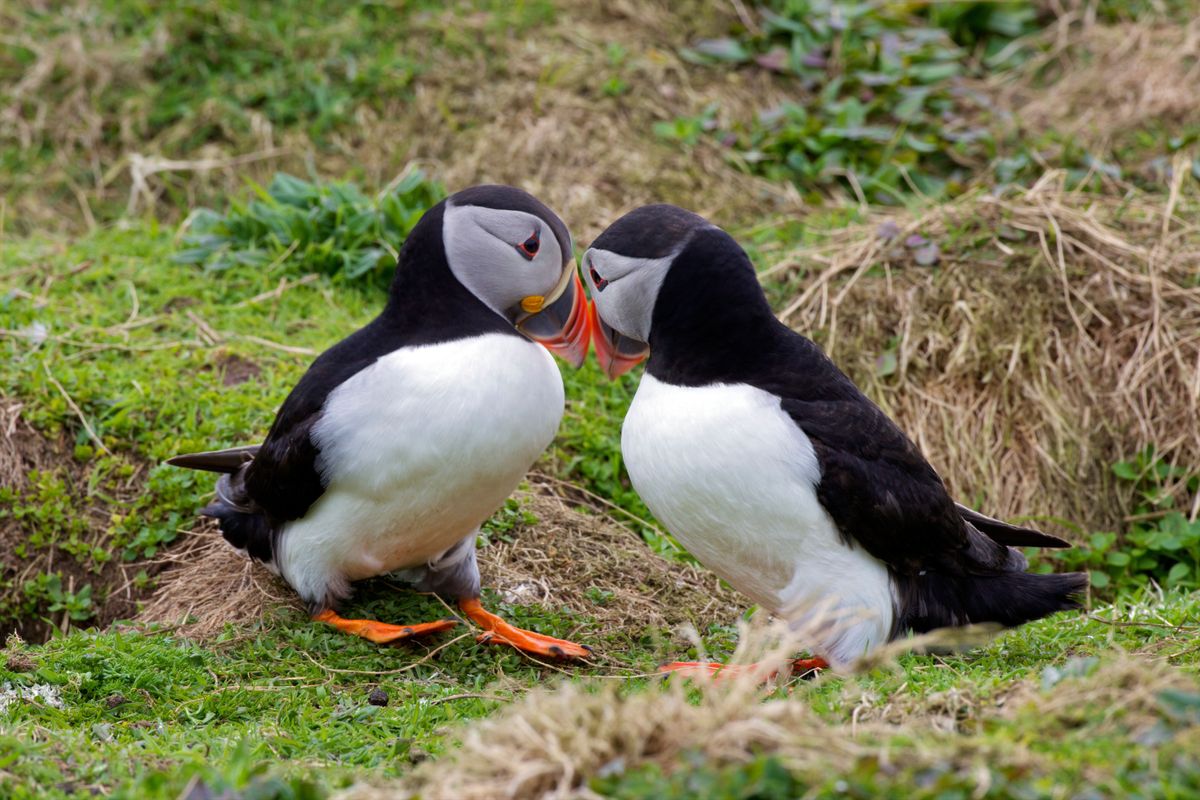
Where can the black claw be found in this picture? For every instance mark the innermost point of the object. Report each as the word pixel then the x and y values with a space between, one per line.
pixel 408 631
pixel 556 650
pixel 587 647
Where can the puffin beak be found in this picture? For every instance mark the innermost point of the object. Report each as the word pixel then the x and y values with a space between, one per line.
pixel 616 352
pixel 559 321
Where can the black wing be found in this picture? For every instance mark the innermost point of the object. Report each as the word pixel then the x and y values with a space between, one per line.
pixel 875 484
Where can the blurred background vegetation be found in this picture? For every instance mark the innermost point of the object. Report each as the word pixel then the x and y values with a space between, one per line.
pixel 984 211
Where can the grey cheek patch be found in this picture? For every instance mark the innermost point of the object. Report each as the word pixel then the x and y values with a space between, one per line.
pixel 627 290
pixel 482 253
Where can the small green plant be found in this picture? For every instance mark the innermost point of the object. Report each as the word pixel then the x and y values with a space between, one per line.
pixel 993 24
pixel 1162 544
pixel 47 510
pixel 508 517
pixel 300 226
pixel 47 589
pixel 688 130
pixel 883 112
pixel 616 85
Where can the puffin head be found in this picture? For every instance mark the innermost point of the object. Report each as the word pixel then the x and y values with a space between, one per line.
pixel 514 254
pixel 625 269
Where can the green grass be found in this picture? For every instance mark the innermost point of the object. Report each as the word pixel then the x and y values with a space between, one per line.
pixel 145 713
pixel 266 706
pixel 885 108
pixel 141 345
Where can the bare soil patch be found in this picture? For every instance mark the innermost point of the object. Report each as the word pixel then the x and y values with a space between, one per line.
pixel 25 452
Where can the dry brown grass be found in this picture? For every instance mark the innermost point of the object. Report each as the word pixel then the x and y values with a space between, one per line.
pixel 1127 688
pixel 523 108
pixel 1059 334
pixel 206 584
pixel 568 558
pixel 1098 83
pixel 551 743
pixel 592 157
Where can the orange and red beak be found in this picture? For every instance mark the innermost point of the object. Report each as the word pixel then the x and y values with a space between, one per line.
pixel 616 352
pixel 561 326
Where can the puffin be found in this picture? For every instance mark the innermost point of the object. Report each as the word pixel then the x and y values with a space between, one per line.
pixel 403 438
pixel 770 466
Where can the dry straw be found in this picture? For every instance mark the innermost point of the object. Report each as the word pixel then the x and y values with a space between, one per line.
pixel 570 558
pixel 528 111
pixel 1099 82
pixel 1059 333
pixel 551 742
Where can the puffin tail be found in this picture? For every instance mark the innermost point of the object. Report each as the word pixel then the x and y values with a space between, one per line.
pixel 1007 534
pixel 226 461
pixel 1014 598
pixel 937 600
pixel 242 525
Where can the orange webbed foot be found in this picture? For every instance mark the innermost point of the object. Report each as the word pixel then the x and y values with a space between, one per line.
pixel 497 631
pixel 382 632
pixel 807 666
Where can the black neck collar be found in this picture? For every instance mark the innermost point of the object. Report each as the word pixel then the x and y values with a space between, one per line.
pixel 711 321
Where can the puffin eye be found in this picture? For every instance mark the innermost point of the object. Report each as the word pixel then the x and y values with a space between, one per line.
pixel 529 247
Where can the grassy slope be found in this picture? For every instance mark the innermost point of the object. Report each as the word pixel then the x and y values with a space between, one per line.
pixel 131 341
pixel 141 346
pixel 272 697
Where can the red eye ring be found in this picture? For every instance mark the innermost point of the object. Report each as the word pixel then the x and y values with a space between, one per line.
pixel 530 246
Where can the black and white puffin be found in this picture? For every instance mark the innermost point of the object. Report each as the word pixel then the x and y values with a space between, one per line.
pixel 773 469
pixel 403 438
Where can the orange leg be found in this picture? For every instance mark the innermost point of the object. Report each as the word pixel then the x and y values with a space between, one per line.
pixel 382 632
pixel 803 666
pixel 800 667
pixel 497 631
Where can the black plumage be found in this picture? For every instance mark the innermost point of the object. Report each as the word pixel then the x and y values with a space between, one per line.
pixel 712 324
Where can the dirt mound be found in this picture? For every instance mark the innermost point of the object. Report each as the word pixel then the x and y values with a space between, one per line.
pixel 39 474
pixel 584 560
pixel 1058 334
pixel 579 559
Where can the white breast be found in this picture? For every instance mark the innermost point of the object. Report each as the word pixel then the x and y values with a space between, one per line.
pixel 734 479
pixel 417 451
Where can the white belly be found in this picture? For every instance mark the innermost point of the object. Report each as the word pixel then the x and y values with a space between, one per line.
pixel 417 451
pixel 734 480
